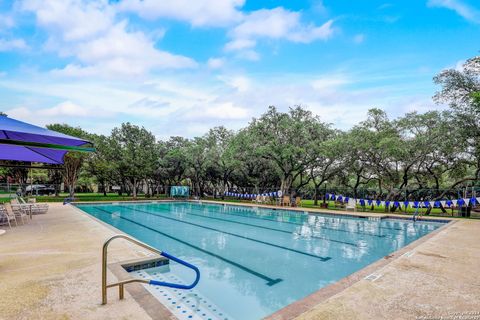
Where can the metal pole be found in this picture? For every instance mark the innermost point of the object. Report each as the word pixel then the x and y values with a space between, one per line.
pixel 120 291
pixel 31 180
pixel 104 272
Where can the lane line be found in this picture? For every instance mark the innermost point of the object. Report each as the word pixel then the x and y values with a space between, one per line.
pixel 296 213
pixel 301 224
pixel 233 234
pixel 270 281
pixel 258 226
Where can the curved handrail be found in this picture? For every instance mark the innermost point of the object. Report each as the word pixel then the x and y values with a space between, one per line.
pixel 175 285
pixel 152 282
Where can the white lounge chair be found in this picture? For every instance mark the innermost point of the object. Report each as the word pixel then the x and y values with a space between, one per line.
pixel 351 205
pixel 34 208
pixel 8 215
pixel 20 212
pixel 265 199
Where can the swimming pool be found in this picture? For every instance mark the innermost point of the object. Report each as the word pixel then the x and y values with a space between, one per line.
pixel 253 261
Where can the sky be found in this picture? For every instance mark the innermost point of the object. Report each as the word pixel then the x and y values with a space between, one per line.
pixel 180 67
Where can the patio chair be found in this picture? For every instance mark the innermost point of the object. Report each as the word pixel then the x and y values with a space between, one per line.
pixel 9 216
pixel 35 208
pixel 298 201
pixel 18 200
pixel 286 201
pixel 267 200
pixel 351 205
pixel 19 211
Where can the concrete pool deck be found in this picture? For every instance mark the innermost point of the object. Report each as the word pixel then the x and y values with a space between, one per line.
pixel 50 269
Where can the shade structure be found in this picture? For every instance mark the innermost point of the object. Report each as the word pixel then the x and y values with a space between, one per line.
pixel 20 141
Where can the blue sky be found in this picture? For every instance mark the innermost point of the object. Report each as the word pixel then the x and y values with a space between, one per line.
pixel 179 67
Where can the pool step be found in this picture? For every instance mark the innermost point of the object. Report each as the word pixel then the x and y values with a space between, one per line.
pixel 184 304
pixel 143 263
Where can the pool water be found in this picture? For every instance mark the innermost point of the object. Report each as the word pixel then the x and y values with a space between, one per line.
pixel 253 261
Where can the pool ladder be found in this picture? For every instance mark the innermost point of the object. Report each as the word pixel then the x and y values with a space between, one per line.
pixel 416 215
pixel 121 284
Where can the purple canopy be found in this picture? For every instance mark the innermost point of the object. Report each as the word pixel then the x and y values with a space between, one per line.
pixel 20 141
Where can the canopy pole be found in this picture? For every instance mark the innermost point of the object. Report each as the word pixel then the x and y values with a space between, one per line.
pixel 31 179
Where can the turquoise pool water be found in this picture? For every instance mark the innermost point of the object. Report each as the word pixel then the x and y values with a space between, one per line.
pixel 255 261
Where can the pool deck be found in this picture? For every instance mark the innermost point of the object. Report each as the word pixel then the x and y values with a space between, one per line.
pixel 50 269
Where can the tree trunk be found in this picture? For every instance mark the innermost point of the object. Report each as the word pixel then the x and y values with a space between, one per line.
pixel 315 197
pixel 134 188
pixel 71 169
pixel 71 188
pixel 103 184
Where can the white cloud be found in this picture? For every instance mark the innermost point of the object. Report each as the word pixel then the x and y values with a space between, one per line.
pixel 240 44
pixel 222 111
pixel 250 55
pixel 227 111
pixel 215 63
pixel 197 13
pixel 180 105
pixel 66 108
pixel 63 112
pixel 72 20
pixel 127 52
pixel 239 83
pixel 14 44
pixel 100 46
pixel 277 23
pixel 464 10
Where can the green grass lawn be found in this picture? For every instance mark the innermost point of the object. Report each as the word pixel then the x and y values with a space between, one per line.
pixel 305 203
pixel 90 197
pixel 377 209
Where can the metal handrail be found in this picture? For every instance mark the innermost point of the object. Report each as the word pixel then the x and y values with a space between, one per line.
pixel 416 213
pixel 121 284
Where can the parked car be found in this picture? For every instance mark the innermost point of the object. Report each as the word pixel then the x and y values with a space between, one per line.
pixel 39 189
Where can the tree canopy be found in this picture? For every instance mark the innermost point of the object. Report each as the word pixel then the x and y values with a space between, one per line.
pixel 295 151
